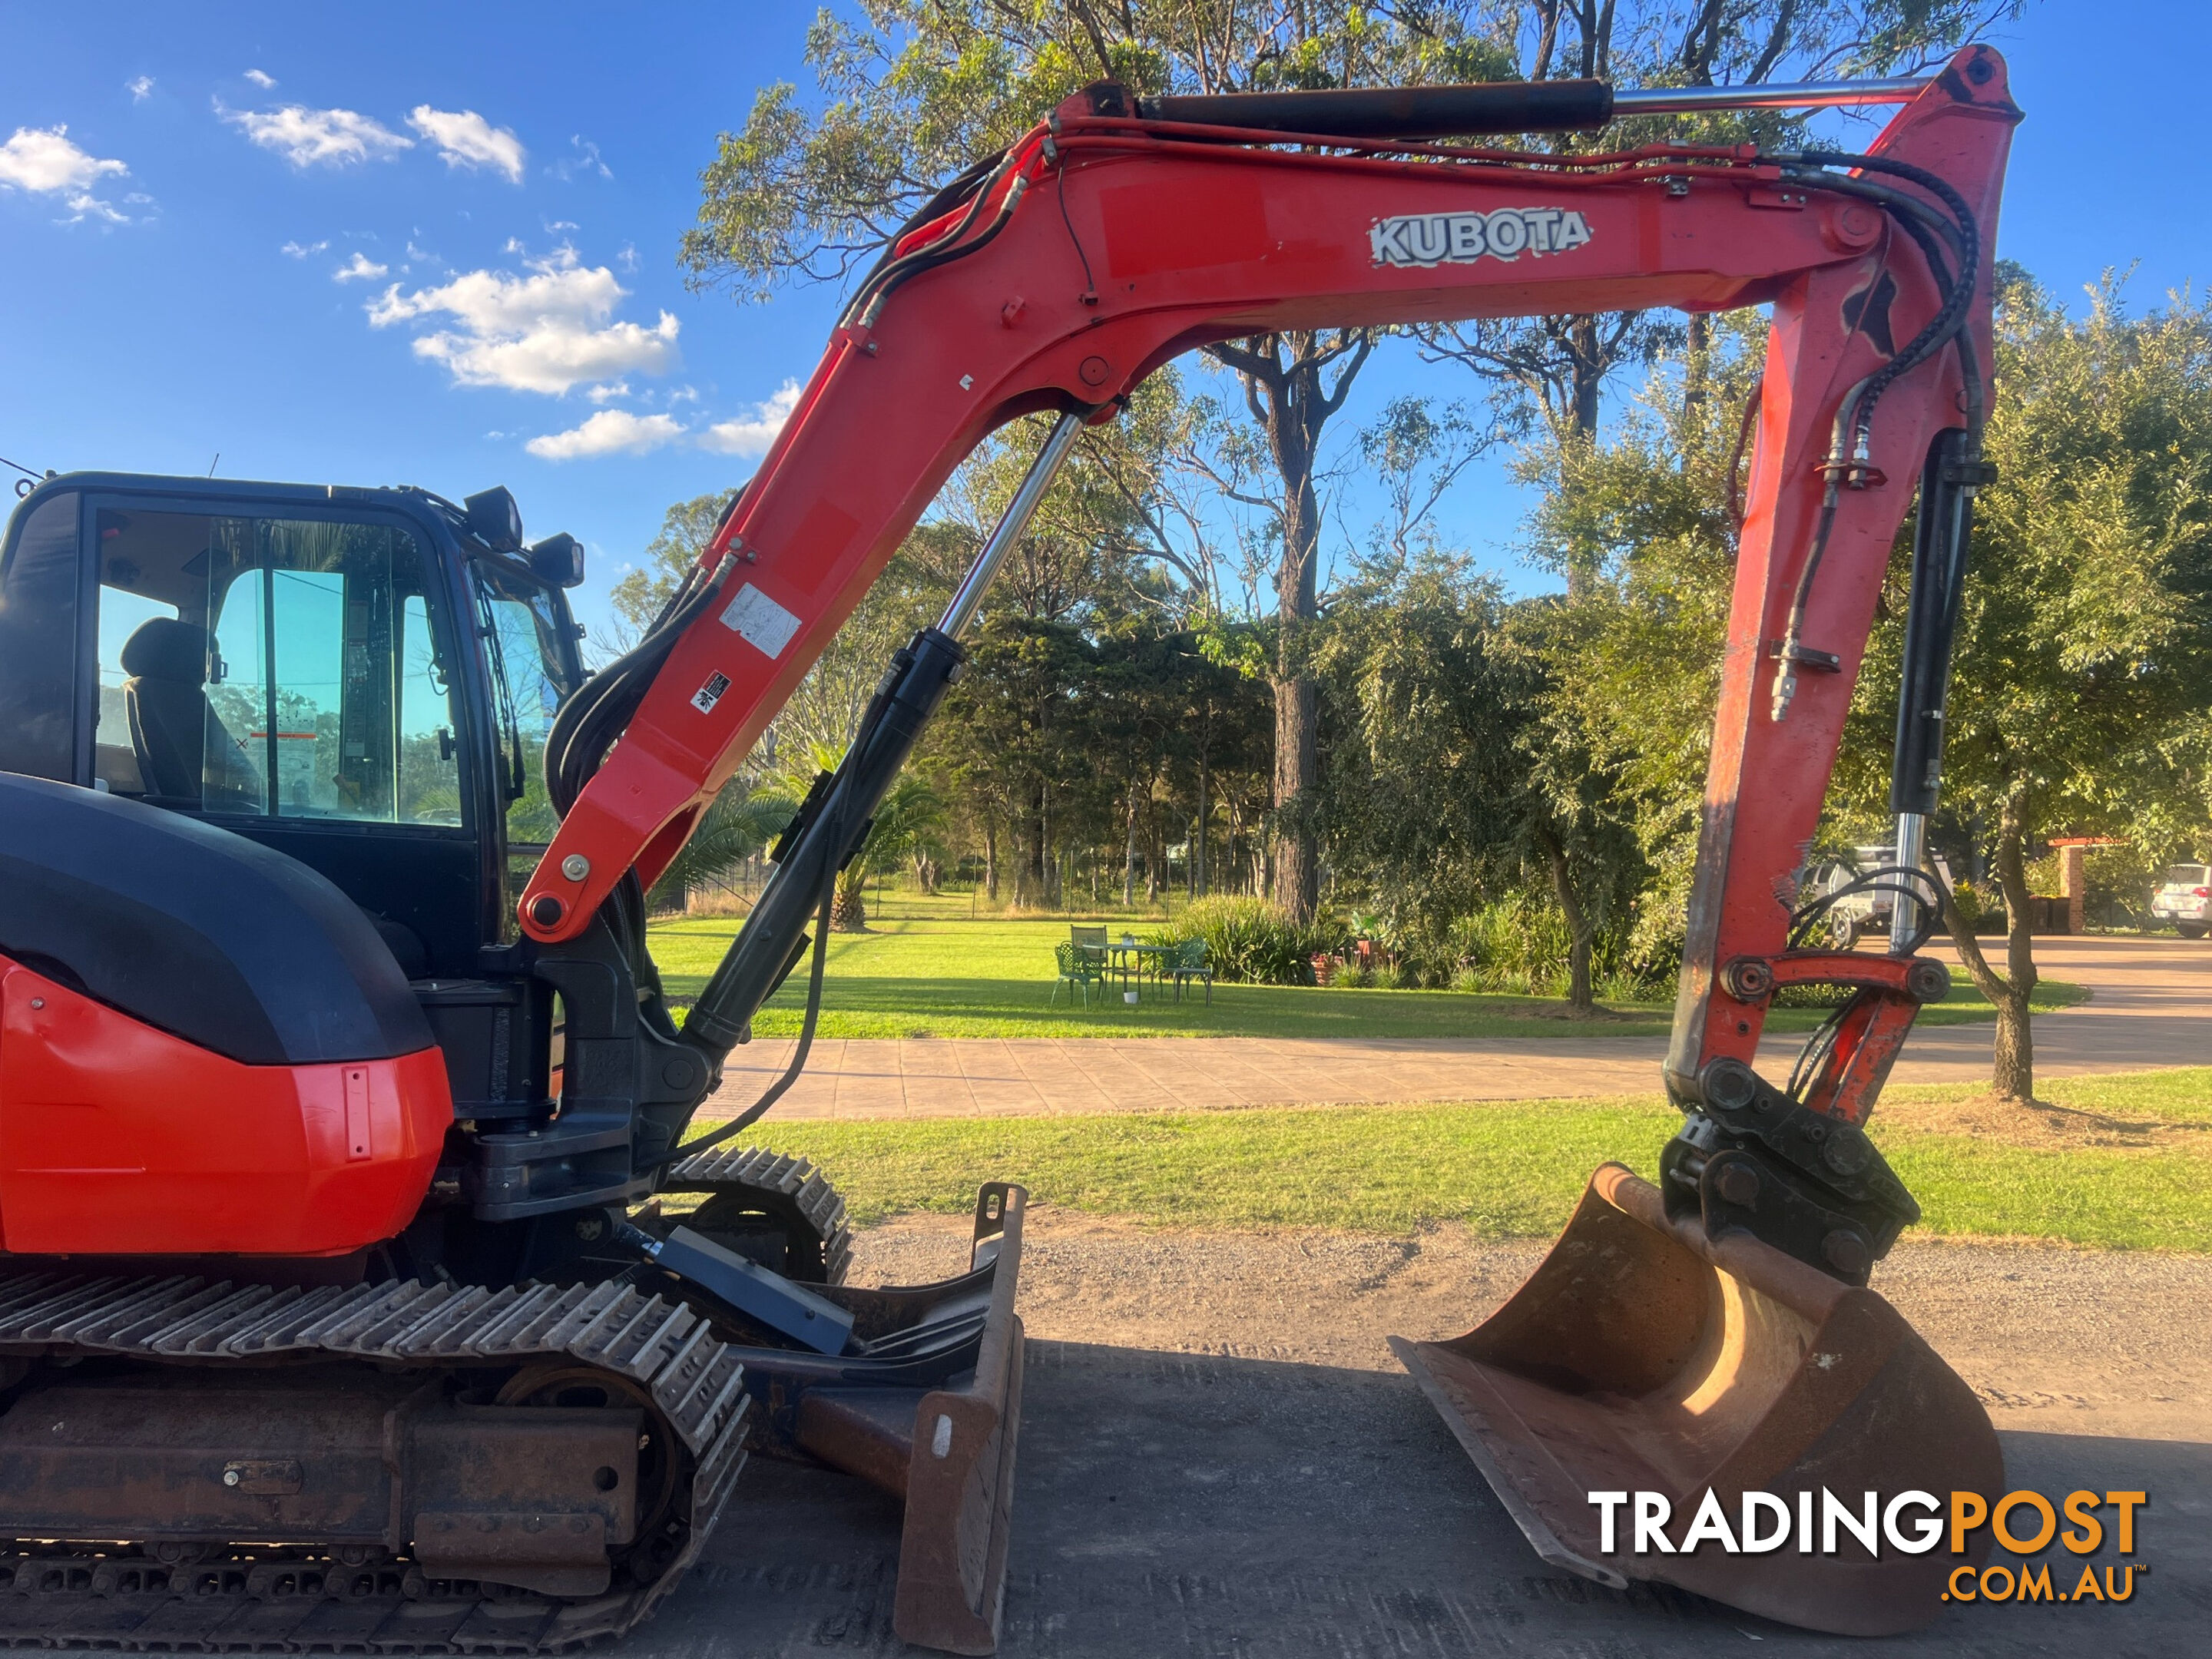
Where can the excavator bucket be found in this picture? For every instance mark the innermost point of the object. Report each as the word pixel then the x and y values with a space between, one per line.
pixel 1643 1356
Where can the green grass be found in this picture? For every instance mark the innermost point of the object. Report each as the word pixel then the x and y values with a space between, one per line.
pixel 941 975
pixel 1503 1168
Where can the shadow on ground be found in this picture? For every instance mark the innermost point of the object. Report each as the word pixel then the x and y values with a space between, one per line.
pixel 1180 1504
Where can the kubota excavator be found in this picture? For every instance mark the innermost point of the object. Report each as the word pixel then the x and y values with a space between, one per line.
pixel 339 1099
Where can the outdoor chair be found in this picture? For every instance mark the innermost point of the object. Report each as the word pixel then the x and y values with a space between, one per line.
pixel 1078 967
pixel 1088 939
pixel 1190 962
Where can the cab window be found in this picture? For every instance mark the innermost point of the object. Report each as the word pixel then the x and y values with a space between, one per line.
pixel 531 646
pixel 272 667
pixel 39 575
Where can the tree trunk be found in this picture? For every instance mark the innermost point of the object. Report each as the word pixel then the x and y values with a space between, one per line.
pixel 849 913
pixel 1205 800
pixel 1283 389
pixel 1129 854
pixel 991 859
pixel 2012 1073
pixel 1580 997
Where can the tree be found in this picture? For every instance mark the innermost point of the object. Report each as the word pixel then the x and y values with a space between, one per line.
pixel 685 530
pixel 919 89
pixel 740 823
pixel 2082 673
pixel 1633 656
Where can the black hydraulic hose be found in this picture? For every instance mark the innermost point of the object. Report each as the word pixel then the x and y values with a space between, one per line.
pixel 591 721
pixel 781 1086
pixel 962 185
pixel 1855 416
pixel 894 271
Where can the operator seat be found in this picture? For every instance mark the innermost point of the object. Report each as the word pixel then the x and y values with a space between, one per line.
pixel 167 662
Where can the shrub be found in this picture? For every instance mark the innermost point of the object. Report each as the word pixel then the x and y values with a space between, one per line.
pixel 1517 945
pixel 1252 941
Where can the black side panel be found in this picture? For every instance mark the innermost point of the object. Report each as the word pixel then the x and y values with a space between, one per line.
pixel 229 945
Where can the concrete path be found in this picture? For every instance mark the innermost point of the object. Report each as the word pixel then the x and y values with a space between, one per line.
pixel 2151 1005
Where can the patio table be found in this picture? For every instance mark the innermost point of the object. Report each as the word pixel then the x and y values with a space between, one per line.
pixel 1130 956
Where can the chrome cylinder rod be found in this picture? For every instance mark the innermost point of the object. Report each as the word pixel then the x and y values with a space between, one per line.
pixel 959 614
pixel 1911 854
pixel 1799 95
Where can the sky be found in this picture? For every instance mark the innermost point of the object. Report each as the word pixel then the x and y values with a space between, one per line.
pixel 437 244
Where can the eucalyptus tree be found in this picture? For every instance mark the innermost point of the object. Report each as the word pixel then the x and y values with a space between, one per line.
pixel 913 91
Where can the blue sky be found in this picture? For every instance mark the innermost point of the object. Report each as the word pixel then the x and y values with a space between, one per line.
pixel 436 245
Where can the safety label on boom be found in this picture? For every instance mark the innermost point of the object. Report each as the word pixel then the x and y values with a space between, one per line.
pixel 709 695
pixel 760 620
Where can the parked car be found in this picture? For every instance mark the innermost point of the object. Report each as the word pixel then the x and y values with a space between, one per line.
pixel 2185 900
pixel 1854 916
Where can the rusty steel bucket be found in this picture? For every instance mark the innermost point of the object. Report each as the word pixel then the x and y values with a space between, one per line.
pixel 1643 1356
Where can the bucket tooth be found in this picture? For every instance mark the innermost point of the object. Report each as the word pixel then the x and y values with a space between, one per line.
pixel 1643 1356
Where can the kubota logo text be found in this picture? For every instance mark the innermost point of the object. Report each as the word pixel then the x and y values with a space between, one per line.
pixel 1435 239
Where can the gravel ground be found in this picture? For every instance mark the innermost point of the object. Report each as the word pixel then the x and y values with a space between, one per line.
pixel 2054 1339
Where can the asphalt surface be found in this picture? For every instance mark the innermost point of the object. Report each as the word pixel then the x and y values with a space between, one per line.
pixel 1186 1505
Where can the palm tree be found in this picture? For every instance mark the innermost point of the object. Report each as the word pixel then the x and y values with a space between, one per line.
pixel 743 819
pixel 905 821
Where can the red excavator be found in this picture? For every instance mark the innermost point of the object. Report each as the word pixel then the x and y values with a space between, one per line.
pixel 363 1287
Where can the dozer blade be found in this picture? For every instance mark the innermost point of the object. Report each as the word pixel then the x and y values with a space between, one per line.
pixel 1643 1356
pixel 931 1415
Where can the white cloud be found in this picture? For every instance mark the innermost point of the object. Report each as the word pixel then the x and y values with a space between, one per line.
pixel 83 205
pixel 306 137
pixel 753 436
pixel 610 431
pixel 586 160
pixel 45 159
pixel 140 88
pixel 548 331
pixel 600 394
pixel 359 269
pixel 301 250
pixel 628 257
pixel 261 79
pixel 46 162
pixel 465 139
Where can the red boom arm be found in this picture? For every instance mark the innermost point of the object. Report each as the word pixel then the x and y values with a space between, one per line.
pixel 1105 247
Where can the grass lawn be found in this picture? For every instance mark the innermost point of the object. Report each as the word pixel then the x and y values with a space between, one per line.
pixel 1504 1168
pixel 930 972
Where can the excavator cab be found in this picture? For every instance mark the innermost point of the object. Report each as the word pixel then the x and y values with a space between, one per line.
pixel 353 677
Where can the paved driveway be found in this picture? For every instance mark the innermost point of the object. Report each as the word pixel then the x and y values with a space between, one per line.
pixel 2151 1005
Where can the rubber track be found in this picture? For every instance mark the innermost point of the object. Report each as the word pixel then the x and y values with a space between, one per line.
pixel 83 1599
pixel 745 1169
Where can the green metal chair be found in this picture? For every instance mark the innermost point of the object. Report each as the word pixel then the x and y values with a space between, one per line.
pixel 1191 963
pixel 1078 967
pixel 1087 937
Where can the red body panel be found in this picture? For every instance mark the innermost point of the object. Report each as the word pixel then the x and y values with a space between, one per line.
pixel 117 1139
